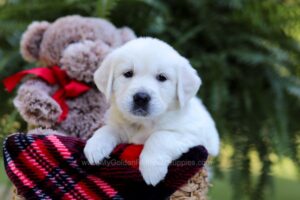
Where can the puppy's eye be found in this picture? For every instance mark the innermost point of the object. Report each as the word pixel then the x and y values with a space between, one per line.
pixel 161 77
pixel 128 74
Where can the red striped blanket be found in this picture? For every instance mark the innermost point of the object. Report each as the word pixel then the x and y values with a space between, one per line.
pixel 54 167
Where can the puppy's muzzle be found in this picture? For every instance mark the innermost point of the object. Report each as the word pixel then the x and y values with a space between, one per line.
pixel 141 103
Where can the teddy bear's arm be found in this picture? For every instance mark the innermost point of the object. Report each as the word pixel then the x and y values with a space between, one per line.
pixel 35 104
pixel 86 114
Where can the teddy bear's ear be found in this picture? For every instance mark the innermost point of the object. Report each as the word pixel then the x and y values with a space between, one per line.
pixel 126 34
pixel 31 40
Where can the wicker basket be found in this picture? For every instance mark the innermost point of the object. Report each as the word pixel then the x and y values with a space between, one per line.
pixel 195 189
pixel 15 195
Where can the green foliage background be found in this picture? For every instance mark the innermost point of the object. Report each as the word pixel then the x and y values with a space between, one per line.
pixel 247 53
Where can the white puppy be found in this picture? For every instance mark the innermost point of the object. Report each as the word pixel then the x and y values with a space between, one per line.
pixel 152 91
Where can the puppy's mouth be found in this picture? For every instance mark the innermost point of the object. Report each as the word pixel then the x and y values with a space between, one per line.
pixel 141 112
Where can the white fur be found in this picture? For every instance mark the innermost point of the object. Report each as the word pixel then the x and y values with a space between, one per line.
pixel 177 120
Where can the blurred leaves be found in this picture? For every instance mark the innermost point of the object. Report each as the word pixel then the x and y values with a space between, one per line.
pixel 246 52
pixel 104 7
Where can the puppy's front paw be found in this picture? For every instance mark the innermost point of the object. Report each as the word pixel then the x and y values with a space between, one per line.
pixel 153 169
pixel 96 150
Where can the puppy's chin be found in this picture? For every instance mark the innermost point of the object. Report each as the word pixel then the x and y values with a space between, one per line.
pixel 139 115
pixel 139 112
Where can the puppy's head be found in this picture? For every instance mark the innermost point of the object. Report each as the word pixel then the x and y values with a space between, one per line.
pixel 145 78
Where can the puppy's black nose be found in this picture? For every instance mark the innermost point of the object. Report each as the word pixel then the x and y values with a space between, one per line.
pixel 141 99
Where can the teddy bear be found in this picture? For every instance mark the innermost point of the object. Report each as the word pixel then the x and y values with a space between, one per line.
pixel 74 47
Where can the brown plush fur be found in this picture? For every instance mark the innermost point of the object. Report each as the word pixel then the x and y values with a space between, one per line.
pixel 80 60
pixel 78 45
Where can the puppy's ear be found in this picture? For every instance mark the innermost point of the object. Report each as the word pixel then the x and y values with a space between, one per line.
pixel 103 77
pixel 188 83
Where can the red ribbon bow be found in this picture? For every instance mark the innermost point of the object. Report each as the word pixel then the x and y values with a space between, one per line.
pixel 68 88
